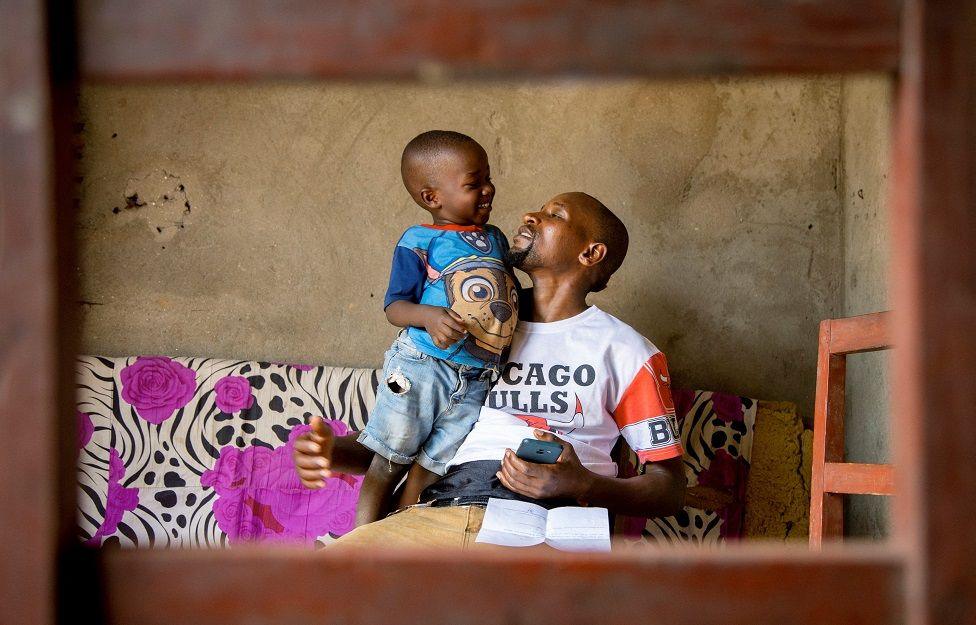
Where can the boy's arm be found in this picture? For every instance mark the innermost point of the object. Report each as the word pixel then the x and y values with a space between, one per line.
pixel 406 314
pixel 408 277
pixel 660 491
pixel 443 325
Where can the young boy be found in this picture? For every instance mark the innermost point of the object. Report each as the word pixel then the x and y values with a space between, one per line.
pixel 451 291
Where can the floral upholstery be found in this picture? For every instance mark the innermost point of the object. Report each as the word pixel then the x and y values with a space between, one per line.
pixel 188 452
pixel 196 452
pixel 717 433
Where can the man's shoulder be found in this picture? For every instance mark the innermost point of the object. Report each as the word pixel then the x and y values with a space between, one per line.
pixel 623 341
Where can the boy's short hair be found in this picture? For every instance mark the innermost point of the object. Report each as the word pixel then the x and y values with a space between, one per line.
pixel 417 164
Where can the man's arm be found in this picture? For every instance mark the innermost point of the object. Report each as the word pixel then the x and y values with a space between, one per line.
pixel 660 491
pixel 319 454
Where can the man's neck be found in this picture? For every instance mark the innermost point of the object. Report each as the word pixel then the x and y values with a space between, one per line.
pixel 555 299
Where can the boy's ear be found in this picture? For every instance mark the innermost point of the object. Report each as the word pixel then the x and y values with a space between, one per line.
pixel 430 198
pixel 593 254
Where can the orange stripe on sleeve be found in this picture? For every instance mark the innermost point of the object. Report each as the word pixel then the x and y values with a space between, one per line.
pixel 645 414
pixel 649 394
pixel 656 455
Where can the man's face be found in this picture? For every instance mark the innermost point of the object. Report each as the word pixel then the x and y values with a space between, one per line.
pixel 551 237
pixel 464 187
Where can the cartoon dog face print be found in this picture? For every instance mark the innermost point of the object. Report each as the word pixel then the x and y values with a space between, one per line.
pixel 478 240
pixel 483 293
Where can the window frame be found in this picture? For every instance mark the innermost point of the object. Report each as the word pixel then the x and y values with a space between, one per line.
pixel 920 575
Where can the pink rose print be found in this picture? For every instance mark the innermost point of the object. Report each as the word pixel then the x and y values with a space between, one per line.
pixel 157 387
pixel 260 498
pixel 683 400
pixel 721 472
pixel 728 474
pixel 233 393
pixel 85 428
pixel 727 407
pixel 118 500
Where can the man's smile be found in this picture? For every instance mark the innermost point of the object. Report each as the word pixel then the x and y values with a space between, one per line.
pixel 525 232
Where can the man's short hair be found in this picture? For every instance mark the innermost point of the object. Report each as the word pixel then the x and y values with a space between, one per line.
pixel 609 230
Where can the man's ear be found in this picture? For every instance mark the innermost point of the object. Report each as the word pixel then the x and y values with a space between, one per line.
pixel 593 254
pixel 430 198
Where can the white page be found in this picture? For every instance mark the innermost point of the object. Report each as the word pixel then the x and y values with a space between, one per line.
pixel 512 523
pixel 573 528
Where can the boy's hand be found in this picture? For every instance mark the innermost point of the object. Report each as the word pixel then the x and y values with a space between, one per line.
pixel 312 454
pixel 444 326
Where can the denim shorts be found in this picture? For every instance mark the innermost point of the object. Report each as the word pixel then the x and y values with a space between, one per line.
pixel 425 407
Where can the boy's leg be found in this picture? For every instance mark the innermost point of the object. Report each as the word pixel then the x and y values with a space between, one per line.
pixel 398 424
pixel 418 479
pixel 377 490
pixel 453 425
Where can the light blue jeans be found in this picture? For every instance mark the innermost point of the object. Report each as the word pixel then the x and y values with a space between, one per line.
pixel 425 407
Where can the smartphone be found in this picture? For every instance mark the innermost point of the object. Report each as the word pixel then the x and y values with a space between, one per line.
pixel 543 452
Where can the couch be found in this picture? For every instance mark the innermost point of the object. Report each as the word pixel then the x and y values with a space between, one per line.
pixel 196 452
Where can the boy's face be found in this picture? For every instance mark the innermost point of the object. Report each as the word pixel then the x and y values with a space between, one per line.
pixel 464 189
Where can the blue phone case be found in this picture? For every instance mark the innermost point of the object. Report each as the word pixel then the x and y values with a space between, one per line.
pixel 542 452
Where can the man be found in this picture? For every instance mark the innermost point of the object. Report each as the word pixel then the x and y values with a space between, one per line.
pixel 576 375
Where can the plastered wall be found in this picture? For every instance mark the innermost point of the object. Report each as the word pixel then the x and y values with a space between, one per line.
pixel 866 115
pixel 258 221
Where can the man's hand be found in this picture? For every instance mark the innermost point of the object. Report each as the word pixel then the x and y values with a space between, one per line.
pixel 444 326
pixel 567 477
pixel 313 454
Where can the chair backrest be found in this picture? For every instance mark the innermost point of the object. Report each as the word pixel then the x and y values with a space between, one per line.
pixel 831 477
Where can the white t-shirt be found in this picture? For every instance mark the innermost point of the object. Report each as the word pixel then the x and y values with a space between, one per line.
pixel 587 379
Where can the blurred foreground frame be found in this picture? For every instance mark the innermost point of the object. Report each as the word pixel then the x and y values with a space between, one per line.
pixel 922 575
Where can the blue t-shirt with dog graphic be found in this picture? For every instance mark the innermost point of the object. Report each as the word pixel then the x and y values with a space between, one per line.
pixel 461 268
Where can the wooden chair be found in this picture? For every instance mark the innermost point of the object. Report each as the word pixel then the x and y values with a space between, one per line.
pixel 832 478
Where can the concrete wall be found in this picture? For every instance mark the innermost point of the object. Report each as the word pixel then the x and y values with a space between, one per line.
pixel 866 115
pixel 258 221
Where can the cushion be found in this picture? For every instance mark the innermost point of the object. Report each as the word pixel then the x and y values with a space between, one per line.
pixel 196 452
pixel 778 492
pixel 717 433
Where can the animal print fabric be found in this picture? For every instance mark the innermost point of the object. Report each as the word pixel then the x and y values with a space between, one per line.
pixel 196 452
pixel 716 431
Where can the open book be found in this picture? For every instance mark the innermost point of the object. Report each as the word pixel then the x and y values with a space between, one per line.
pixel 521 524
